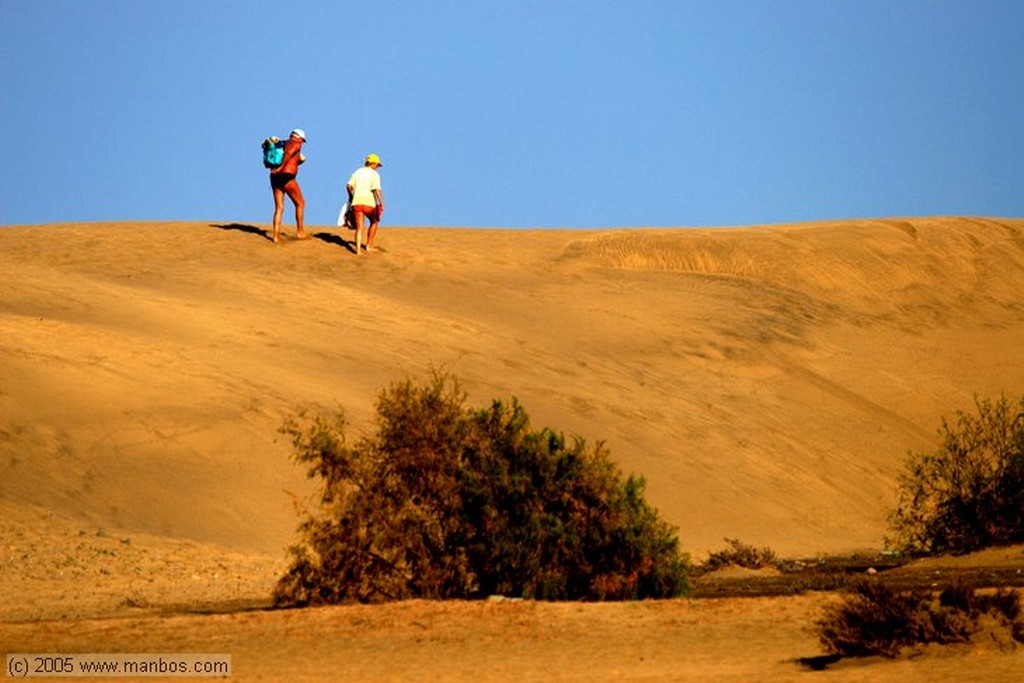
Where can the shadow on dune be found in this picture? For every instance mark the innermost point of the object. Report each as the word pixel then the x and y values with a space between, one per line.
pixel 819 662
pixel 241 227
pixel 329 238
pixel 336 240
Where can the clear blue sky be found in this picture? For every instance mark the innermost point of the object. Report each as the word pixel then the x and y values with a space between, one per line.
pixel 555 113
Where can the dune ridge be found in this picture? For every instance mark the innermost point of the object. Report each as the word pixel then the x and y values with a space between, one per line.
pixel 892 261
pixel 766 381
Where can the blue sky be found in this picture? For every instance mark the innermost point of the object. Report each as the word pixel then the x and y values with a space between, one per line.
pixel 501 113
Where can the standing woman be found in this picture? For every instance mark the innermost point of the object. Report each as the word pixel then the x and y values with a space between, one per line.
pixel 283 182
pixel 366 199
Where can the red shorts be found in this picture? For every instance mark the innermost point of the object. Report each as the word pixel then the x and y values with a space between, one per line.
pixel 370 212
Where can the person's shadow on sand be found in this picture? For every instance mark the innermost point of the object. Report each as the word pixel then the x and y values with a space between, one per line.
pixel 240 227
pixel 338 240
pixel 327 237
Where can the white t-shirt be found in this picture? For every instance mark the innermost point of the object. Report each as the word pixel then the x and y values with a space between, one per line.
pixel 364 181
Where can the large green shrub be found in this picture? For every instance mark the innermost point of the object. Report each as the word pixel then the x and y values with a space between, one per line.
pixel 969 494
pixel 444 501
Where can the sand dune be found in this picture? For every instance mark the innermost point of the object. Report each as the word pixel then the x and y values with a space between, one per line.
pixel 767 381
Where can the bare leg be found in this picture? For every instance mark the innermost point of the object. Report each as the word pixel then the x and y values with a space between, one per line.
pixel 372 234
pixel 278 212
pixel 295 193
pixel 358 217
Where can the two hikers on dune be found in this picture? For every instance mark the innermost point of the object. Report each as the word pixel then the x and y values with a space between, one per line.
pixel 365 198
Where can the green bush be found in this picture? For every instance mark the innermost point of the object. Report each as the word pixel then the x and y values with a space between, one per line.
pixel 444 501
pixel 874 619
pixel 969 494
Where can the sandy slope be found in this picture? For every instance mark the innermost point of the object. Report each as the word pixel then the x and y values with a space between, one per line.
pixel 767 381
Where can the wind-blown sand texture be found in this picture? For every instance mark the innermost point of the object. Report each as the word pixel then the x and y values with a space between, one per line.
pixel 767 382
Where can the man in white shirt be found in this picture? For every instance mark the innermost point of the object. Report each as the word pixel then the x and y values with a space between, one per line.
pixel 366 200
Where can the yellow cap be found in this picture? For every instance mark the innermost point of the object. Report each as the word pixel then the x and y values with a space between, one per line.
pixel 373 159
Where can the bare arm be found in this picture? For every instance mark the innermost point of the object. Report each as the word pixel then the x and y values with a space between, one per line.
pixel 290 152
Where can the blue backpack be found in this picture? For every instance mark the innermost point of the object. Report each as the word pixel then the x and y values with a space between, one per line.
pixel 273 152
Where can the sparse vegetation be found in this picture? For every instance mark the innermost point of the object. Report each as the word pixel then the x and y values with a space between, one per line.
pixel 874 619
pixel 740 554
pixel 444 501
pixel 969 494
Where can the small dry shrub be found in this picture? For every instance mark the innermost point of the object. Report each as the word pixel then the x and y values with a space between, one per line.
pixel 740 554
pixel 874 619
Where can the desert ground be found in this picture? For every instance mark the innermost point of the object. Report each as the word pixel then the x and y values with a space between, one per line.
pixel 767 381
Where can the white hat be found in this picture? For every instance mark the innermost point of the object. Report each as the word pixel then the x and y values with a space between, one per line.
pixel 299 133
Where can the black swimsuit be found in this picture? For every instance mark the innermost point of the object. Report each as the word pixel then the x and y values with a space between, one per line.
pixel 279 180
